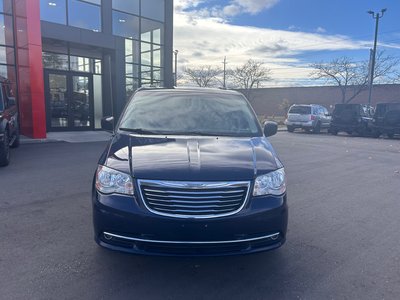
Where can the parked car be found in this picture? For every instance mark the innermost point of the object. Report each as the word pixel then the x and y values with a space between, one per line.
pixel 189 172
pixel 308 117
pixel 386 120
pixel 9 127
pixel 351 118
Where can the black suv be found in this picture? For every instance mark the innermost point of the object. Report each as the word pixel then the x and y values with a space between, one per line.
pixel 9 128
pixel 386 120
pixel 351 118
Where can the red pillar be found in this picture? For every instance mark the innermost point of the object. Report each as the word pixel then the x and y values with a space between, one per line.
pixel 30 68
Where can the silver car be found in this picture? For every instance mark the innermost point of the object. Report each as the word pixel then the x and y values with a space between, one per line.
pixel 309 117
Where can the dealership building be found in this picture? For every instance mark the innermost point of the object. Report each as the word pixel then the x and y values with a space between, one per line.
pixel 71 62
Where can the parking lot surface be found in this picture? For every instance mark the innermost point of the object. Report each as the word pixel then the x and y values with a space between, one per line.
pixel 343 238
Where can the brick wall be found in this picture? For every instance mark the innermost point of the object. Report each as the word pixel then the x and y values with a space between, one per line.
pixel 267 101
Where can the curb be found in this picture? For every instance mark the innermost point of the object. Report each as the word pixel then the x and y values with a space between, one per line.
pixel 28 141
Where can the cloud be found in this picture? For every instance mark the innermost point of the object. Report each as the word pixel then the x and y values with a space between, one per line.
pixel 293 28
pixel 197 31
pixel 221 12
pixel 320 29
pixel 254 6
pixel 197 54
pixel 276 47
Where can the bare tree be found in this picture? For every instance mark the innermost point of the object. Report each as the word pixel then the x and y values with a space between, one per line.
pixel 203 76
pixel 250 75
pixel 285 105
pixel 351 76
pixel 386 68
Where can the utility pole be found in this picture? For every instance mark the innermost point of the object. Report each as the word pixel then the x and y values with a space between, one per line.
pixel 224 62
pixel 376 16
pixel 176 68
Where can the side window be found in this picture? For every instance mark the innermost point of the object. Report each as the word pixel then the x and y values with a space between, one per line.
pixel 364 111
pixel 4 96
pixel 2 107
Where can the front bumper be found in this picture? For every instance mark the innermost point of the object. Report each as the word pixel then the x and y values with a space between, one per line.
pixel 384 129
pixel 124 224
pixel 308 124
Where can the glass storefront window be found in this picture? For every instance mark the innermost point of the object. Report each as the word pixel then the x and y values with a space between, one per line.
pixel 84 15
pixel 81 64
pixel 97 66
pixel 157 36
pixel 146 58
pixel 98 101
pixel 53 11
pixel 98 2
pixel 157 58
pixel 55 61
pixel 131 51
pixel 131 86
pixel 6 6
pixel 7 55
pixel 128 6
pixel 146 47
pixel 132 70
pixel 6 32
pixel 156 76
pixel 153 9
pixel 146 37
pixel 125 25
pixel 8 72
pixel 152 31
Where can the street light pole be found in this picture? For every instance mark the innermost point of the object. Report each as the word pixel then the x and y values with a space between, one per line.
pixel 224 62
pixel 176 67
pixel 376 16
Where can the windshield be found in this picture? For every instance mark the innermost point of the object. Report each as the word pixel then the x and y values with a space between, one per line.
pixel 190 114
pixel 342 107
pixel 381 109
pixel 1 102
pixel 302 110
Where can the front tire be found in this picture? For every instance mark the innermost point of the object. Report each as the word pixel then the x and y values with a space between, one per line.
pixel 5 151
pixel 317 128
pixel 290 128
pixel 376 134
pixel 17 141
pixel 333 131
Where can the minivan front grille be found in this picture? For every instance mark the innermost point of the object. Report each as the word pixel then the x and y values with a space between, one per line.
pixel 194 199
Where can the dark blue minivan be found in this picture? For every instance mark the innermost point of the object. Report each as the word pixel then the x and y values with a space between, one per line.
pixel 189 172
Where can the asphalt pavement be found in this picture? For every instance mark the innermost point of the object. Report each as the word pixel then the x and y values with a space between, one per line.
pixel 343 238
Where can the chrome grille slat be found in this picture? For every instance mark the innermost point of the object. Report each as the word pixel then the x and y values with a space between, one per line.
pixel 193 199
pixel 208 211
pixel 195 193
pixel 191 206
pixel 194 202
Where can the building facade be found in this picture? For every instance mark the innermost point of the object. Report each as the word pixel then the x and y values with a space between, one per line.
pixel 71 62
pixel 273 101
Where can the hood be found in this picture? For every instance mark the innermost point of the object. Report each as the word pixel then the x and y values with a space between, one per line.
pixel 191 159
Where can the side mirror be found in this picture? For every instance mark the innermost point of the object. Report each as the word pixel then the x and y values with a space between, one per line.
pixel 11 101
pixel 270 128
pixel 107 123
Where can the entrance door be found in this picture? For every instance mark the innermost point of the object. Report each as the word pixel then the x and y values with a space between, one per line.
pixel 69 99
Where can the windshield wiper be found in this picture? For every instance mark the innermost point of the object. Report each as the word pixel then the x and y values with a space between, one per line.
pixel 138 130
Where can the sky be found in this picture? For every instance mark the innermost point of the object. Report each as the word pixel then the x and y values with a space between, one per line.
pixel 287 35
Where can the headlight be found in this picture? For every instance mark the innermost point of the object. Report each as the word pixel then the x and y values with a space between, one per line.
pixel 273 183
pixel 109 181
